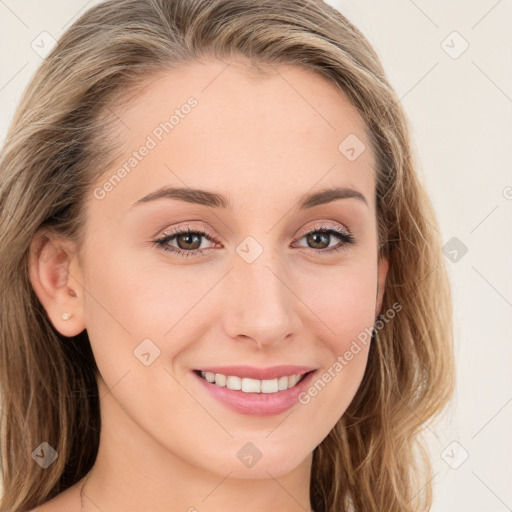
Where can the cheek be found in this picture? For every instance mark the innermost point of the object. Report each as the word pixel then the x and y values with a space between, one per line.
pixel 130 295
pixel 127 313
pixel 344 315
pixel 343 301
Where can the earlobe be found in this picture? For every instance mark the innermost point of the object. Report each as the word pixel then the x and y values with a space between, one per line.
pixel 56 279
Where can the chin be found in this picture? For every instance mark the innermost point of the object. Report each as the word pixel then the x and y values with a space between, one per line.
pixel 269 460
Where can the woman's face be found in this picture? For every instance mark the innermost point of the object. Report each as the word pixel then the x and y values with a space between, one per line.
pixel 268 289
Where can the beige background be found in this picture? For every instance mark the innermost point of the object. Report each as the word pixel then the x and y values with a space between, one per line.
pixel 461 113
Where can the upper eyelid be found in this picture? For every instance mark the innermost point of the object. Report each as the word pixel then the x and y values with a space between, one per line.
pixel 173 232
pixel 323 225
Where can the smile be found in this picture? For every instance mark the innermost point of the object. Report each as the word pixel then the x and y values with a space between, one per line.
pixel 254 391
pixel 248 385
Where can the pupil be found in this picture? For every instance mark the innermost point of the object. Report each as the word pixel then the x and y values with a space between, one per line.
pixel 324 237
pixel 188 237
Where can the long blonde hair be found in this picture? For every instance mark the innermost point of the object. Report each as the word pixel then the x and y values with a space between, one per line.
pixel 60 142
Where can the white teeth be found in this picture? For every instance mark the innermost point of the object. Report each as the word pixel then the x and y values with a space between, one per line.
pixel 220 379
pixel 269 386
pixel 234 383
pixel 293 380
pixel 251 385
pixel 248 385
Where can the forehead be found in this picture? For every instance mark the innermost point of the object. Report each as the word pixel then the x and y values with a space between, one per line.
pixel 260 135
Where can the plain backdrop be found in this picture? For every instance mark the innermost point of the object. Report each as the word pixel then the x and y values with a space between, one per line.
pixel 451 64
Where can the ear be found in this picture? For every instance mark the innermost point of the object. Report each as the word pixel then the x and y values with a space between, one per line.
pixel 382 272
pixel 56 276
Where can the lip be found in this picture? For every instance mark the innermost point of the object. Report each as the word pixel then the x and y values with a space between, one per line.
pixel 257 404
pixel 252 372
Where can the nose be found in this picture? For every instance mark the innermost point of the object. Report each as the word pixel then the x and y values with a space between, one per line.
pixel 261 306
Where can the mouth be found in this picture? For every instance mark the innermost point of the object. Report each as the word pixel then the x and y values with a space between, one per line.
pixel 252 385
pixel 255 392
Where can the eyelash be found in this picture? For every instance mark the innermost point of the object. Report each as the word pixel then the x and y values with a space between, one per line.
pixel 346 238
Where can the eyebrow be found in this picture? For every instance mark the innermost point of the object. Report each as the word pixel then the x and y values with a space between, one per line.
pixel 216 200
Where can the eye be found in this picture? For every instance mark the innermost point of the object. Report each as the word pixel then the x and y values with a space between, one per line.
pixel 189 241
pixel 320 238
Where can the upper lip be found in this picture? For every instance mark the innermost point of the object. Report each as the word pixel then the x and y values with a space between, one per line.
pixel 252 372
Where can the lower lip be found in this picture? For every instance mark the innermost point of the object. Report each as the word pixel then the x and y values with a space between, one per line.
pixel 257 404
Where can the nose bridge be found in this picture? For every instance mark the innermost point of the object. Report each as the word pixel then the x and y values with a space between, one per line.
pixel 261 304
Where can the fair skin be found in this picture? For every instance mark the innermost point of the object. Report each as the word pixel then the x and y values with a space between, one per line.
pixel 166 444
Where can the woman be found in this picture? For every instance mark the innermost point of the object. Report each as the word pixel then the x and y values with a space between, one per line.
pixel 222 279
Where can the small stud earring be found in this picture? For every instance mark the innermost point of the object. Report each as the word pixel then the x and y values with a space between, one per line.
pixel 66 316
